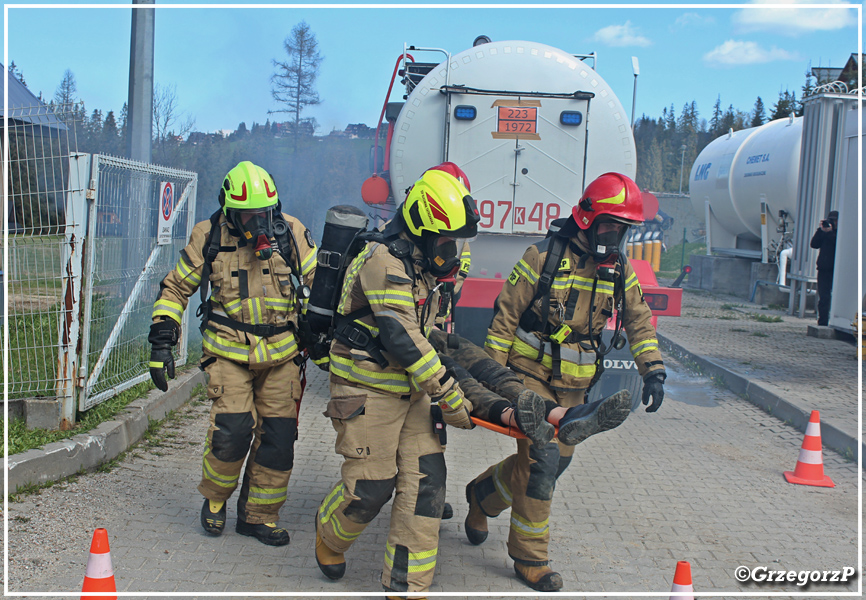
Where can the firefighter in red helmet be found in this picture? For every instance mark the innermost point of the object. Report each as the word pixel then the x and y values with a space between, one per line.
pixel 547 327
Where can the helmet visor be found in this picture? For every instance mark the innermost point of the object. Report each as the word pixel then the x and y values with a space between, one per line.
pixel 606 237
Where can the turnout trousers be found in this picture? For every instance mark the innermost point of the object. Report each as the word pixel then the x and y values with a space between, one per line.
pixel 253 413
pixel 525 481
pixel 388 446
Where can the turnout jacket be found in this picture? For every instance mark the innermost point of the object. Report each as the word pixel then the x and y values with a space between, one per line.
pixel 378 284
pixel 243 289
pixel 510 344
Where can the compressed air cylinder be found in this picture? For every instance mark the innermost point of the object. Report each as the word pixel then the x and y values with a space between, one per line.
pixel 342 224
pixel 656 255
pixel 637 251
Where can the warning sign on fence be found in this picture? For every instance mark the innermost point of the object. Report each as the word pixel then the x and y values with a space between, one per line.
pixel 166 211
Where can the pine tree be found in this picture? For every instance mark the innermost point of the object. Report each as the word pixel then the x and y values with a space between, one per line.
pixel 783 107
pixel 293 83
pixel 16 73
pixel 727 122
pixel 716 120
pixel 110 137
pixel 64 95
pixel 759 116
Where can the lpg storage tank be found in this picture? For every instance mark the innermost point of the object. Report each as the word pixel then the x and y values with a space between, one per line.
pixel 745 184
pixel 515 116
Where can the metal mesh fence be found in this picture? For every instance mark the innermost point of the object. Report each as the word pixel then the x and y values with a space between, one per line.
pixel 124 267
pixel 40 144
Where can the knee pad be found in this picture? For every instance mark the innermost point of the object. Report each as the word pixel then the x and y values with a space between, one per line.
pixel 372 496
pixel 231 440
pixel 542 473
pixel 431 488
pixel 276 450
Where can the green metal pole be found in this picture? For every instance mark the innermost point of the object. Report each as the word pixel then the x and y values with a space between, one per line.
pixel 683 258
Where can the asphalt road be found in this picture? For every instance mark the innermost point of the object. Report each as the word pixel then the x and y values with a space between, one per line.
pixel 701 480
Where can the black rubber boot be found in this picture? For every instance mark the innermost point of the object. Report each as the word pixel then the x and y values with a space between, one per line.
pixel 447 511
pixel 531 418
pixel 542 579
pixel 585 420
pixel 213 522
pixel 476 517
pixel 266 533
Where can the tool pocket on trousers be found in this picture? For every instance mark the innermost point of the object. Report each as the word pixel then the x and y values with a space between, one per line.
pixel 215 387
pixel 348 418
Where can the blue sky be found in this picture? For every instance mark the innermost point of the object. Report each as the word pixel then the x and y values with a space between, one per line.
pixel 220 58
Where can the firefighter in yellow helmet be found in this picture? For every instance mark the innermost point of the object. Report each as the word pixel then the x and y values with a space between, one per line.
pixel 547 327
pixel 384 373
pixel 259 263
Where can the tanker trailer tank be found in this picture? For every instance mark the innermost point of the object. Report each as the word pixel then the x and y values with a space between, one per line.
pixel 742 176
pixel 530 125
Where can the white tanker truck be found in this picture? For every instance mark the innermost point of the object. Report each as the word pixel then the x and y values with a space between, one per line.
pixel 531 125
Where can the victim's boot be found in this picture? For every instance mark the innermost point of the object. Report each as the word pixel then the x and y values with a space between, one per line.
pixel 542 579
pixel 584 420
pixel 476 520
pixel 531 415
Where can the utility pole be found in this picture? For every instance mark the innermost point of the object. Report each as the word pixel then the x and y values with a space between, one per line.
pixel 636 68
pixel 140 100
pixel 682 161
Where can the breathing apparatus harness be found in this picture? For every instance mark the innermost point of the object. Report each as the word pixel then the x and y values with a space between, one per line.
pixel 610 270
pixel 286 246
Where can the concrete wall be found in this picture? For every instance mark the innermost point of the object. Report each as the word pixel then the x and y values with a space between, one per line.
pixel 722 274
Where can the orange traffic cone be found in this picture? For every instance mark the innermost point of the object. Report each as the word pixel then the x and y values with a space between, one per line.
pixel 810 464
pixel 99 576
pixel 682 588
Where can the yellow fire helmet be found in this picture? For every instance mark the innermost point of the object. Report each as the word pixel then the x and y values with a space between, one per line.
pixel 439 204
pixel 248 187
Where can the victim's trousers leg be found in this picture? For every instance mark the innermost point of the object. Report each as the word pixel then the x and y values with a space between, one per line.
pixel 387 444
pixel 526 481
pixel 250 408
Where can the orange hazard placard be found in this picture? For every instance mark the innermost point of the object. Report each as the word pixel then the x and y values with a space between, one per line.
pixel 517 119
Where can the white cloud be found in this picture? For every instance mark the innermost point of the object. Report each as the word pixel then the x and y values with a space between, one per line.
pixel 734 53
pixel 621 35
pixel 691 19
pixel 794 21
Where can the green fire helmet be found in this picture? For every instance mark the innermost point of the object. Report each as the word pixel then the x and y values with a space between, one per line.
pixel 248 187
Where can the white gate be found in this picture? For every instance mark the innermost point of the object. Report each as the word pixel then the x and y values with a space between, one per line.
pixel 123 266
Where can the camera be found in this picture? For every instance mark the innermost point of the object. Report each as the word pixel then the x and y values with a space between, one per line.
pixel 827 223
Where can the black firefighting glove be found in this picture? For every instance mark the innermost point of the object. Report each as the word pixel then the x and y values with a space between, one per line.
pixel 653 386
pixel 163 336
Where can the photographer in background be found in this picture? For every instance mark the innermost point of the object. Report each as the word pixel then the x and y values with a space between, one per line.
pixel 824 241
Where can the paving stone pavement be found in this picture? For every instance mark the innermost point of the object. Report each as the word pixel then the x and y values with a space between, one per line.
pixel 810 372
pixel 701 480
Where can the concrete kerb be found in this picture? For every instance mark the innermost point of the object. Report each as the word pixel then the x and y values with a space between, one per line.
pixel 98 446
pixel 785 410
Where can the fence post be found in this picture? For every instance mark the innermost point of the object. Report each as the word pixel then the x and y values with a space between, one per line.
pixel 69 323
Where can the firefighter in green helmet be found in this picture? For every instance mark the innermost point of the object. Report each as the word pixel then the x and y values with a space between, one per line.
pixel 259 264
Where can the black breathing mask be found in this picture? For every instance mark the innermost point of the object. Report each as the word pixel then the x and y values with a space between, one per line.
pixel 605 238
pixel 257 228
pixel 441 255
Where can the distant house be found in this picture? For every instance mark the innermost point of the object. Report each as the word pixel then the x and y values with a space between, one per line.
pixel 846 74
pixel 360 131
pixel 287 128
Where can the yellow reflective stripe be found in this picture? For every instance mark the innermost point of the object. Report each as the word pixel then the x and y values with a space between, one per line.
pixel 187 272
pixel 349 370
pixel 425 367
pixel 644 346
pixel 342 533
pixel 452 399
pixel 309 262
pixel 155 365
pixel 631 282
pixel 529 528
pixel 564 282
pixel 500 485
pixel 418 561
pixel 259 350
pixel 233 307
pixel 231 350
pixel 267 495
pixel 370 328
pixel 498 343
pixel 254 306
pixel 524 269
pixel 331 502
pixel 226 481
pixel 401 297
pixel 163 307
pixel 567 367
pixel 283 348
pixel 618 199
pixel 322 361
pixel 350 276
pixel 278 303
